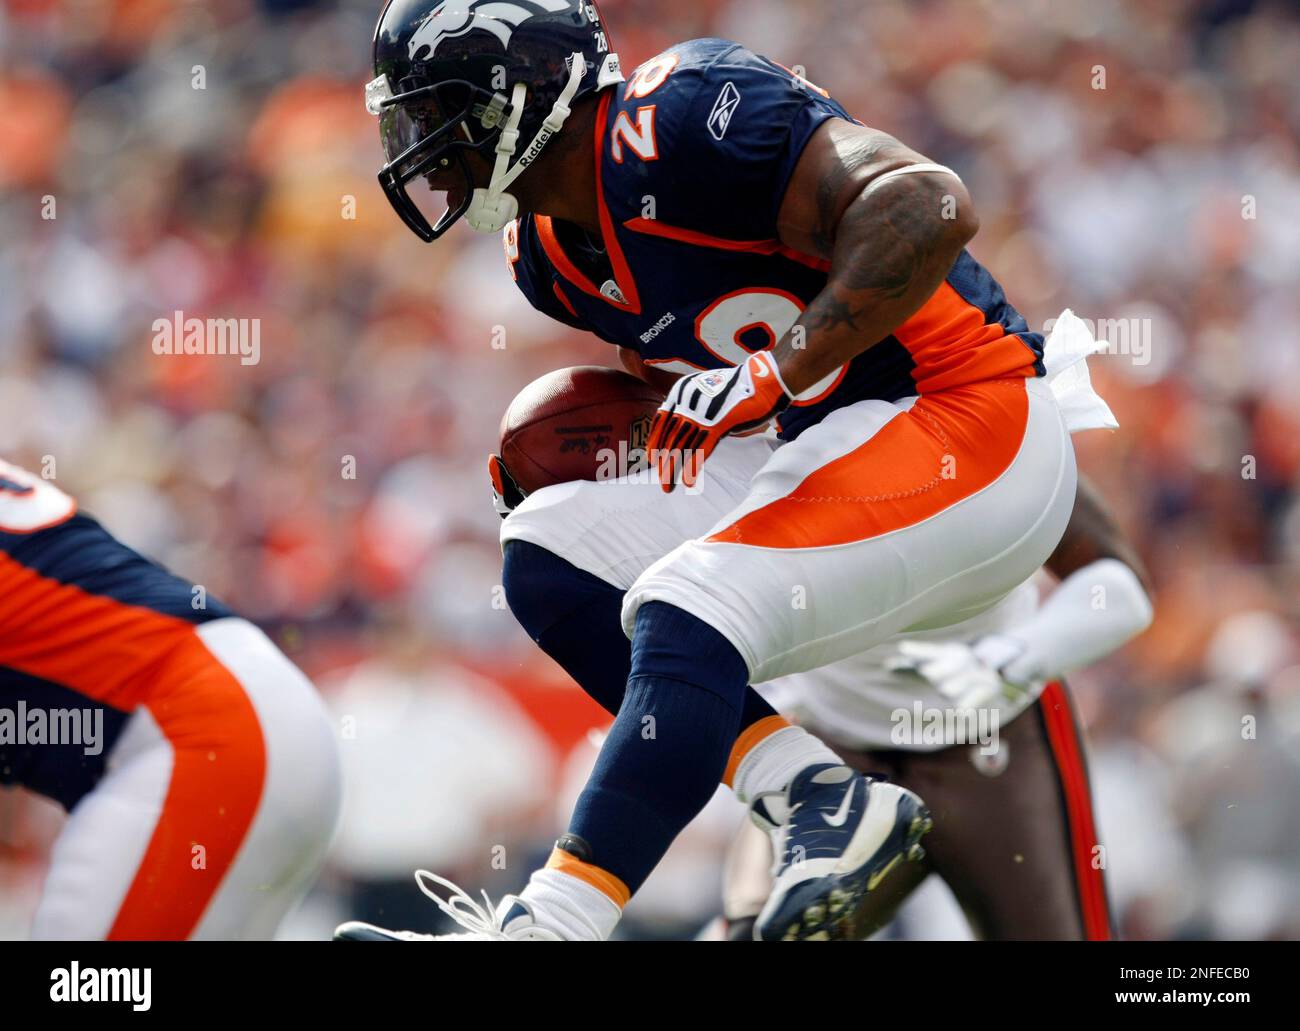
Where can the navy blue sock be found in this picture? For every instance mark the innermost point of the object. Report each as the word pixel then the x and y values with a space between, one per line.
pixel 668 749
pixel 575 618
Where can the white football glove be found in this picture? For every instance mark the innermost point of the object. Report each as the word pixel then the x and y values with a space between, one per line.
pixel 968 674
pixel 704 407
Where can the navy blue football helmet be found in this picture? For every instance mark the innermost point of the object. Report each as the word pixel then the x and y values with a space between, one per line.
pixel 453 76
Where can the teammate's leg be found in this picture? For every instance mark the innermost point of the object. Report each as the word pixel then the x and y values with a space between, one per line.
pixel 301 794
pixel 218 802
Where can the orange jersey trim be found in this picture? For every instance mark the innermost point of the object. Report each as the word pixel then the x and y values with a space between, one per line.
pixel 566 268
pixel 129 657
pixel 622 271
pixel 91 643
pixel 952 343
pixel 653 227
pixel 618 263
pixel 564 300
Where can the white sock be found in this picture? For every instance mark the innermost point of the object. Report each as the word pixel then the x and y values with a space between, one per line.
pixel 570 907
pixel 772 763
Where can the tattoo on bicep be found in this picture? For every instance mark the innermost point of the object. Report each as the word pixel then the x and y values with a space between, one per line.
pixel 853 155
pixel 889 240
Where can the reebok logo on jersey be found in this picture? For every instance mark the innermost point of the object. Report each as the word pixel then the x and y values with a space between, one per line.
pixel 723 108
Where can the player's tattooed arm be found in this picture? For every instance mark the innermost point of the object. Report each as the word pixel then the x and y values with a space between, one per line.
pixel 890 243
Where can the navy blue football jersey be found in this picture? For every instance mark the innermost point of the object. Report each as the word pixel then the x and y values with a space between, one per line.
pixel 85 623
pixel 693 156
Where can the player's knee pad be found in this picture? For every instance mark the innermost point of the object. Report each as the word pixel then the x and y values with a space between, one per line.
pixel 542 589
pixel 671 644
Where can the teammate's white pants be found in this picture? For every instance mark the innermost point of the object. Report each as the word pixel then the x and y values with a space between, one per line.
pixel 217 807
pixel 884 517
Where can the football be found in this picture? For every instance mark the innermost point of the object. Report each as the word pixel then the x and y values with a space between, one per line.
pixel 568 424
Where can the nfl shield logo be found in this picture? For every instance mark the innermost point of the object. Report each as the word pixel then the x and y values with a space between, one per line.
pixel 711 383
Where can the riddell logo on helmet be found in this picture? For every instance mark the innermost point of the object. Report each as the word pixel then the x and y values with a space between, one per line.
pixel 456 17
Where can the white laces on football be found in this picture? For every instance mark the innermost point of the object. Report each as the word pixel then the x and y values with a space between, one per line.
pixel 462 907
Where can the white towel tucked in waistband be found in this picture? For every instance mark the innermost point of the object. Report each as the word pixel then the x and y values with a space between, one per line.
pixel 1065 356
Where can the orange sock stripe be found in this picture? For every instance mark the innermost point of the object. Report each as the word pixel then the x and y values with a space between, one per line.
pixel 749 737
pixel 602 880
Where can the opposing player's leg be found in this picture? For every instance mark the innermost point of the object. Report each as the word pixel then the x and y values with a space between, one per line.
pixel 1031 869
pixel 218 802
pixel 1014 838
pixel 882 518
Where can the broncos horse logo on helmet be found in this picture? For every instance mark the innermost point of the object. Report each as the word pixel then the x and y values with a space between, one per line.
pixel 456 17
pixel 478 75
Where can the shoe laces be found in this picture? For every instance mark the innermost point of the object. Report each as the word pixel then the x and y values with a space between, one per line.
pixel 463 908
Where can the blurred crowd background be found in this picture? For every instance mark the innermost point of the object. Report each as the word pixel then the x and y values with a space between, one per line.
pixel 1131 159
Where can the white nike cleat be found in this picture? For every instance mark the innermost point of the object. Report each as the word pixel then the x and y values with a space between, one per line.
pixel 512 920
pixel 836 834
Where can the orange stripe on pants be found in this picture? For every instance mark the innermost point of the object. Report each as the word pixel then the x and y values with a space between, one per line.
pixel 132 657
pixel 947 447
pixel 218 770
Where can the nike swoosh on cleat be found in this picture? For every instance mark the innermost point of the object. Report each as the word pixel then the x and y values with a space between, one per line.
pixel 842 813
pixel 882 873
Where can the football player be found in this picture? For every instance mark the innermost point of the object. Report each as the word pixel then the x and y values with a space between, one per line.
pixel 197 764
pixel 1015 838
pixel 725 219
